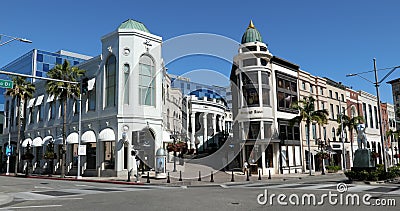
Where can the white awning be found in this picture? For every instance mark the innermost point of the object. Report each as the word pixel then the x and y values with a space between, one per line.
pixel 50 98
pixel 88 137
pixel 107 135
pixel 47 140
pixel 72 138
pixel 167 137
pixel 39 100
pixel 26 141
pixel 91 83
pixel 30 102
pixel 37 142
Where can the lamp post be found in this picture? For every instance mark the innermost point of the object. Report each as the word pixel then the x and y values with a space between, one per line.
pixel 377 84
pixel 12 39
pixel 9 140
pixel 78 176
pixel 341 136
pixel 9 126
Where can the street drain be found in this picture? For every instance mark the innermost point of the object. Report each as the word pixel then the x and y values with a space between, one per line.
pixel 235 203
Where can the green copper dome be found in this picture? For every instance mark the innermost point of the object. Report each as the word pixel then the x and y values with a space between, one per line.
pixel 251 34
pixel 132 24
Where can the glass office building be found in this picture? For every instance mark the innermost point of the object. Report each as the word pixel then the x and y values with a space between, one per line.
pixel 38 63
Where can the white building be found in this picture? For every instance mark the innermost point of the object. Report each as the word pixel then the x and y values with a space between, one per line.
pixel 125 92
pixel 263 87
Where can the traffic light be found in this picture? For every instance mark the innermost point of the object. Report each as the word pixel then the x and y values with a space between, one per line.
pixel 85 84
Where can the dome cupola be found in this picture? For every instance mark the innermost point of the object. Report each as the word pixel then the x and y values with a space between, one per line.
pixel 251 34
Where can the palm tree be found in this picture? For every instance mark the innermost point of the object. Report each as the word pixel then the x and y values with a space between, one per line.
pixel 308 114
pixel 21 91
pixel 351 123
pixel 64 91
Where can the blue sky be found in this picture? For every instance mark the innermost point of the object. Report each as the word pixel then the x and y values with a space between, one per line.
pixel 326 38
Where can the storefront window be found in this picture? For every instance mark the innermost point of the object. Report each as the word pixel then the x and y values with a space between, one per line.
pixel 269 157
pixel 109 156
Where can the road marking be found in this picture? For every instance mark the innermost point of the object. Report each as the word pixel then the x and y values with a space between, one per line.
pixel 42 187
pixel 29 207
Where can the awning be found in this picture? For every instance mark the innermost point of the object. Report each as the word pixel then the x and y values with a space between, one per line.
pixel 47 140
pixel 167 137
pixel 30 102
pixel 26 141
pixel 107 135
pixel 50 98
pixel 91 83
pixel 37 142
pixel 39 100
pixel 88 137
pixel 72 138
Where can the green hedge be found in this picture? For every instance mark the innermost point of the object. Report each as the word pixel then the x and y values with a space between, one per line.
pixel 378 174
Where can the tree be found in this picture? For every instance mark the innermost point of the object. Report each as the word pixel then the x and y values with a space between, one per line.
pixel 308 114
pixel 351 124
pixel 64 91
pixel 21 91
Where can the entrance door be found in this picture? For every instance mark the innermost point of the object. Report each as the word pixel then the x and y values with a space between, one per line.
pixel 91 156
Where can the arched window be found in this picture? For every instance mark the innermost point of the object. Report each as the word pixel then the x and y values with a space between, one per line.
pixel 126 83
pixel 333 134
pixel 146 81
pixel 110 83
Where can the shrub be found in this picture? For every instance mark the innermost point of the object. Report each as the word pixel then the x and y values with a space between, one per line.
pixel 378 174
pixel 333 168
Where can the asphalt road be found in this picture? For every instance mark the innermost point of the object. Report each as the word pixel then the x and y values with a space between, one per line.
pixel 39 194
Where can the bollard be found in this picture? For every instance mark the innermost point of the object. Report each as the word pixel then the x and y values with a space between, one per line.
pixel 233 177
pixel 212 177
pixel 129 175
pixel 259 174
pixel 199 176
pixel 269 174
pixel 247 172
pixel 180 175
pixel 168 180
pixel 148 177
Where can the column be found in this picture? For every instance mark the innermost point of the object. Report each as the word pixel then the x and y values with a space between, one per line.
pixel 205 135
pixel 214 121
pixel 193 123
pixel 220 122
pixel 263 164
pixel 223 124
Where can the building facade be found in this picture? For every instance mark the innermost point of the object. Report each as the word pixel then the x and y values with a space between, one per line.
pixel 263 87
pixel 121 112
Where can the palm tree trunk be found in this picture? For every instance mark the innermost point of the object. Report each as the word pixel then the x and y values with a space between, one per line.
pixel 309 148
pixel 17 157
pixel 63 153
pixel 351 144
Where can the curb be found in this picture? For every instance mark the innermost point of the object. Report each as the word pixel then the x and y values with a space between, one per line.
pixel 79 180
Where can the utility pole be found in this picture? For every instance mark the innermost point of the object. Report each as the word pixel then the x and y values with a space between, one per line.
pixel 383 154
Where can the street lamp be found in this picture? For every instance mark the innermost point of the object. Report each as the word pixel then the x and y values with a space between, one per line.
pixel 9 126
pixel 12 39
pixel 377 84
pixel 341 136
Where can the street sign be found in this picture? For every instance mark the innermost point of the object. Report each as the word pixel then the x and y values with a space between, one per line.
pixel 8 150
pixel 6 83
pixel 82 150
